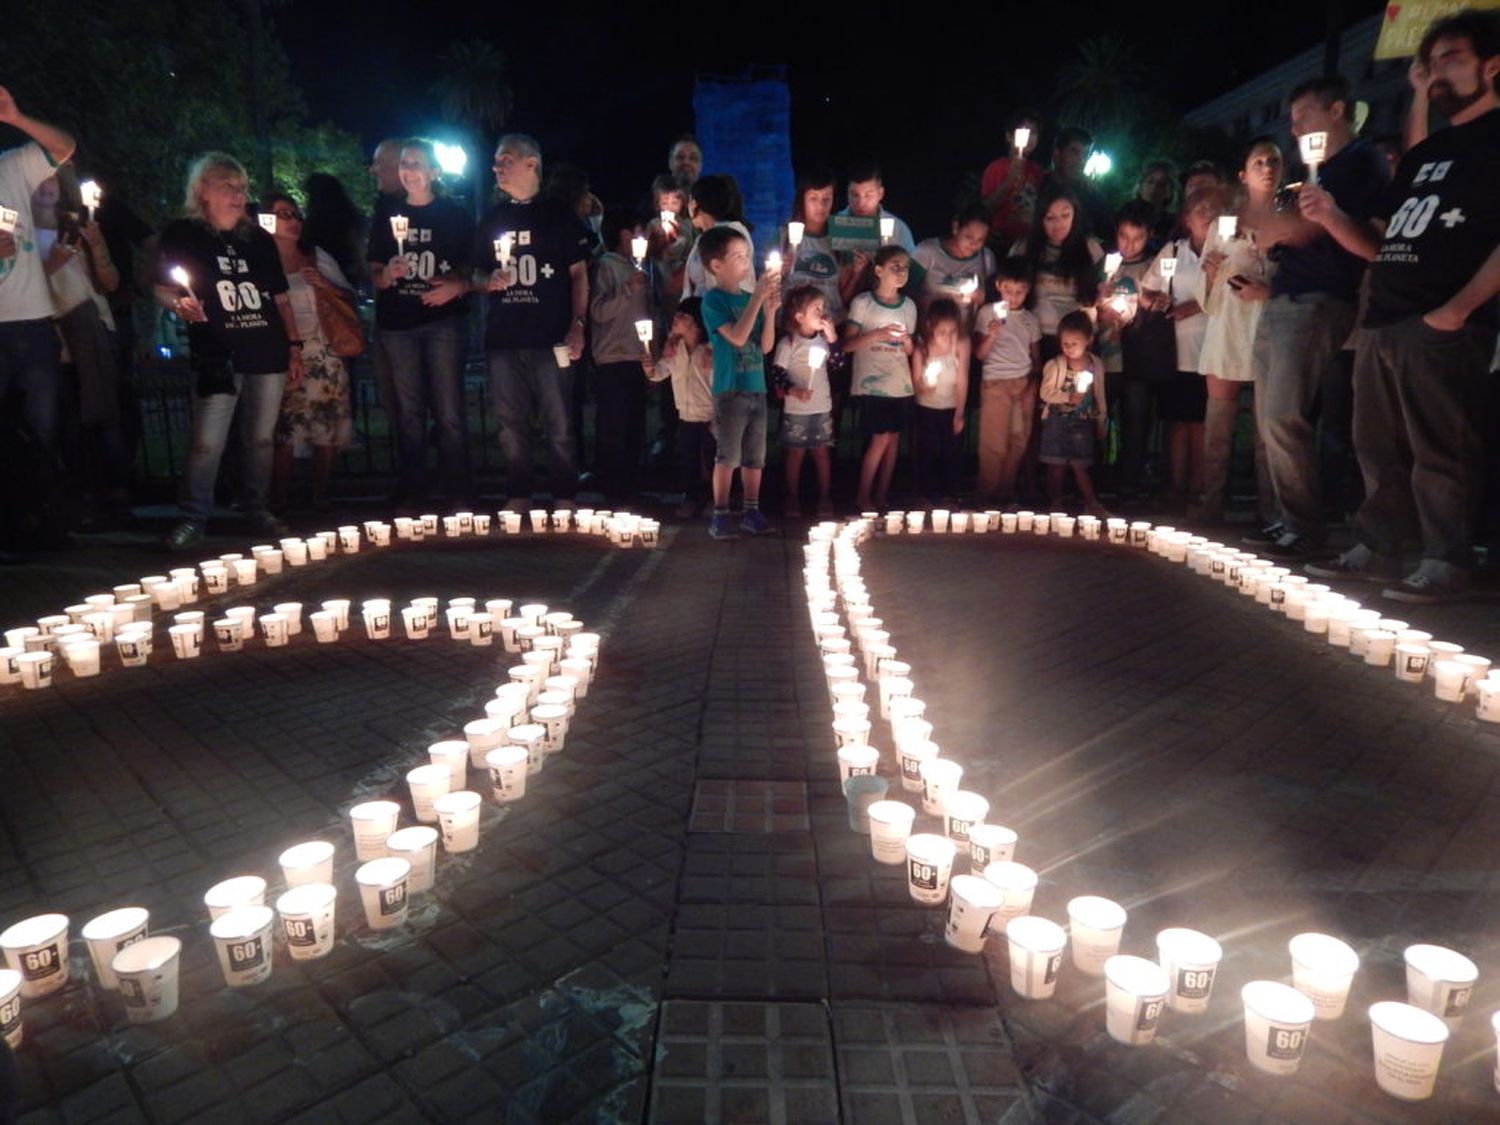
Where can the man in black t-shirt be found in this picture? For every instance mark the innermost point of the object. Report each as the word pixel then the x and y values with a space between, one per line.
pixel 534 256
pixel 1423 358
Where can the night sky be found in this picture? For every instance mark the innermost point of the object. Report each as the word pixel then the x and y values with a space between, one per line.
pixel 608 90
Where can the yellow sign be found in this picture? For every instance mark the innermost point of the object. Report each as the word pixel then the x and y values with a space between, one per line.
pixel 1404 23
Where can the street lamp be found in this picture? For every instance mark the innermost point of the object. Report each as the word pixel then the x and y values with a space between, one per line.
pixel 452 159
pixel 1098 164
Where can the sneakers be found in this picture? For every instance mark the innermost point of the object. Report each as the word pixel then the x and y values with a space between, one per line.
pixel 721 527
pixel 264 523
pixel 1357 562
pixel 1291 546
pixel 1433 582
pixel 1266 536
pixel 186 534
pixel 755 522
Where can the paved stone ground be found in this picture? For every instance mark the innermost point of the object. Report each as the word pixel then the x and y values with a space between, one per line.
pixel 676 924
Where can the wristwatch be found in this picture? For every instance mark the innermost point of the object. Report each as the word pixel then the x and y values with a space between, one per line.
pixel 580 321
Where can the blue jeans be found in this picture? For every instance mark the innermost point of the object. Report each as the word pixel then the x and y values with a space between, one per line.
pixel 261 395
pixel 523 381
pixel 29 364
pixel 426 367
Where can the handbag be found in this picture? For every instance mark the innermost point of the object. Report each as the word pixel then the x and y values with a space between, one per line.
pixel 1149 344
pixel 340 323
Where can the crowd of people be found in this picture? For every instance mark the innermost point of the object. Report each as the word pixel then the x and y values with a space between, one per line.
pixel 1356 309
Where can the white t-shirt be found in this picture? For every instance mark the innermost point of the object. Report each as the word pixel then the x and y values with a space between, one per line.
pixel 1010 356
pixel 24 292
pixel 946 274
pixel 792 356
pixel 816 264
pixel 696 281
pixel 882 370
pixel 942 393
pixel 1053 295
pixel 1187 285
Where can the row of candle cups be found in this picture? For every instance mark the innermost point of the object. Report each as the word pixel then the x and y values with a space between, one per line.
pixel 1407 1036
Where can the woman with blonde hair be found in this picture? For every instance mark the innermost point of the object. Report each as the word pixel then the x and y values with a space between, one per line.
pixel 220 273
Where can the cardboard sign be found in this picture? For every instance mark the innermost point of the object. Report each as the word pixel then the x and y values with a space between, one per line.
pixel 1403 25
pixel 850 232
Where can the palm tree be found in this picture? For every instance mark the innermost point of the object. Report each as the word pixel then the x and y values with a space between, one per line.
pixel 474 93
pixel 1101 87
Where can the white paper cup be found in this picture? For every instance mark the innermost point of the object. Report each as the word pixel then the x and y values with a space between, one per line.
pixel 383 891
pixel 1379 646
pixel 242 890
pixel 307 915
pixel 1278 1019
pixel 990 843
pixel 453 755
pixel 418 846
pixel 147 974
pixel 1191 961
pixel 1095 927
pixel 482 736
pixel 1323 967
pixel 37 948
pixel 458 820
pixel 229 632
pixel 1410 662
pixel 1488 692
pixel 929 865
pixel 244 573
pixel 1017 883
pixel 507 766
pixel 553 719
pixel 1408 1044
pixel 1135 994
pixel 532 737
pixel 962 813
pixel 325 625
pixel 1476 668
pixel 309 862
pixel 11 1029
pixel 108 933
pixel 36 670
pixel 377 621
pixel 1036 952
pixel 890 827
pixel 940 777
pixel 187 640
pixel 427 783
pixel 373 822
pixel 974 902
pixel 82 657
pixel 1440 981
pixel 857 759
pixel 242 938
pixel 10 667
pixel 275 628
pixel 339 607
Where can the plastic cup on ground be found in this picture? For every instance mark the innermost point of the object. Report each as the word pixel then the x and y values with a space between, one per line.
pixel 1135 994
pixel 82 657
pixel 911 759
pixel 11 1029
pixel 383 891
pixel 553 719
pixel 37 948
pixel 229 633
pixel 418 847
pixel 1323 968
pixel 482 736
pixel 481 630
pixel 458 820
pixel 275 628
pixel 373 822
pixel 1036 953
pixel 929 864
pixel 242 937
pixel 108 933
pixel 187 640
pixel 1191 961
pixel 856 759
pixel 1380 645
pixel 147 975
pixel 962 812
pixel 1441 650
pixel 36 670
pixel 415 621
pixel 427 783
pixel 1410 662
pixel 1278 1020
pixel 309 862
pixel 1095 927
pixel 890 827
pixel 990 843
pixel 339 607
pixel 1488 707
pixel 1017 883
pixel 507 766
pixel 241 890
pixel 974 902
pixel 307 914
pixel 453 755
pixel 1408 1045
pixel 377 621
pixel 533 738
pixel 1476 668
pixel 1440 981
pixel 325 624
pixel 940 776
pixel 1449 680
pixel 861 791
pixel 10 667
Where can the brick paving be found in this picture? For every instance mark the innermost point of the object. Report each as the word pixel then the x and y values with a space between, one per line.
pixel 676 923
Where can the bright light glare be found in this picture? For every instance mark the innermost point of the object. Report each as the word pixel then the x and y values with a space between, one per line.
pixel 452 159
pixel 1098 164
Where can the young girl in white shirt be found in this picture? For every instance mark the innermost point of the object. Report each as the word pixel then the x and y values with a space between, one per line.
pixel 940 377
pixel 801 363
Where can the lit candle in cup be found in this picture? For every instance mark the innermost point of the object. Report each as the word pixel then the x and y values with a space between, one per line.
pixel 1083 381
pixel 90 192
pixel 180 276
pixel 967 288
pixel 1314 148
pixel 817 356
pixel 267 220
pixel 1002 310
pixel 794 233
pixel 643 331
pixel 502 249
pixel 1167 267
pixel 887 228
pixel 638 250
pixel 1112 262
pixel 773 262
pixel 400 225
pixel 668 221
pixel 1021 138
pixel 931 372
pixel 1229 225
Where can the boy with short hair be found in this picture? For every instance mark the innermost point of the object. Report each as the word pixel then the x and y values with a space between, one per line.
pixel 619 298
pixel 1007 342
pixel 741 329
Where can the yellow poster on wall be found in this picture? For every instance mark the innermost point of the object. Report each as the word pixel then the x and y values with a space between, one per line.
pixel 1405 22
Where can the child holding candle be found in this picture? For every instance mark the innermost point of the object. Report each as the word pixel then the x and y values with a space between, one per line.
pixel 1007 342
pixel 940 375
pixel 742 328
pixel 1074 411
pixel 958 266
pixel 687 360
pixel 802 358
pixel 1126 343
pixel 715 201
pixel 669 235
pixel 879 334
pixel 619 296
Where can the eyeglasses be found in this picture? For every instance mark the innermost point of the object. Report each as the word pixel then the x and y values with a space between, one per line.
pixel 297 215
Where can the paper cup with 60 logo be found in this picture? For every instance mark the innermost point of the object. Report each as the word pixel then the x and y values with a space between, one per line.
pixel 10 1007
pixel 890 827
pixel 458 820
pixel 929 863
pixel 147 975
pixel 1440 981
pixel 1190 960
pixel 1408 1044
pixel 37 948
pixel 307 919
pixel 1096 926
pixel 1135 994
pixel 242 890
pixel 1277 1019
pixel 111 932
pixel 382 890
pixel 1323 968
pixel 962 813
pixel 1036 952
pixel 243 940
pixel 373 822
pixel 974 902
pixel 990 843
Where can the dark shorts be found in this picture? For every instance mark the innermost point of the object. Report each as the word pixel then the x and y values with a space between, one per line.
pixel 1182 398
pixel 881 415
pixel 1068 441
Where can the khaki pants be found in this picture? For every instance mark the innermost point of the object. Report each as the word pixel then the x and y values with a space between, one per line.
pixel 1007 408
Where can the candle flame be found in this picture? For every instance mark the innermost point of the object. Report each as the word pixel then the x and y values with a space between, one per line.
pixel 180 275
pixel 817 356
pixel 1112 262
pixel 794 233
pixel 1022 138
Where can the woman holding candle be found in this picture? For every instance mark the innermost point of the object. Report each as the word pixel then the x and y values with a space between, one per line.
pixel 221 274
pixel 421 307
pixel 1238 275
pixel 1063 258
pixel 315 411
pixel 619 300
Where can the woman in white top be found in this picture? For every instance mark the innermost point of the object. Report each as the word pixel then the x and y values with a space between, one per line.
pixel 315 412
pixel 1238 277
pixel 1180 290
pixel 715 202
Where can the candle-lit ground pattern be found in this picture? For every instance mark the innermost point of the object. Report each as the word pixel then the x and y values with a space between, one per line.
pixel 1154 737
